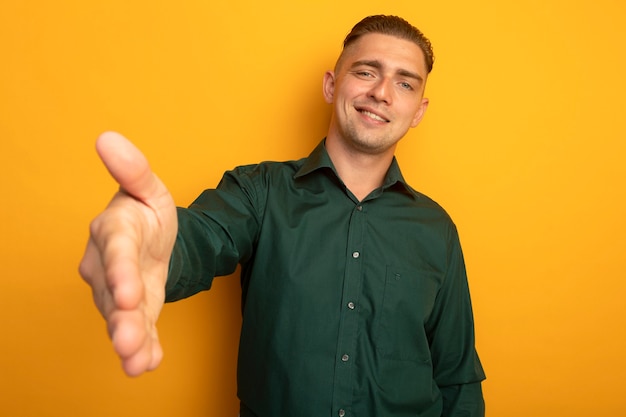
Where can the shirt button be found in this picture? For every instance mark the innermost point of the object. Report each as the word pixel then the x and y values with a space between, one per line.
pixel 359 208
pixel 345 358
pixel 355 255
pixel 342 413
pixel 351 305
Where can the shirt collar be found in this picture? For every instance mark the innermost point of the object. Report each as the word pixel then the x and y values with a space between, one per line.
pixel 319 159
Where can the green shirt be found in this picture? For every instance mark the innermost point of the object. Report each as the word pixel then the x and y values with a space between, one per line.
pixel 350 308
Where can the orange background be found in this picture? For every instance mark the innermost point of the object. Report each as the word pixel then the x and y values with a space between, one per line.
pixel 523 143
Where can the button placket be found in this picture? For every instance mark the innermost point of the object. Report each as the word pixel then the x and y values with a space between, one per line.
pixel 348 328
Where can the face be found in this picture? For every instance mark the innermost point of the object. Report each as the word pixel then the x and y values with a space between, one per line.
pixel 377 93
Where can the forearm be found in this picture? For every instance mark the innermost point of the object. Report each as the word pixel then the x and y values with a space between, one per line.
pixel 215 234
pixel 201 252
pixel 458 370
pixel 464 400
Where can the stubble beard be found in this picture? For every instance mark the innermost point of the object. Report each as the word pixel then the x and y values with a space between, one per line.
pixel 367 142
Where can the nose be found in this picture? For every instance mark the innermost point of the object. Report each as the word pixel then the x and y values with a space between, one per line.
pixel 381 91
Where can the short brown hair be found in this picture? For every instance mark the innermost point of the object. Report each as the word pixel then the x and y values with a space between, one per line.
pixel 394 26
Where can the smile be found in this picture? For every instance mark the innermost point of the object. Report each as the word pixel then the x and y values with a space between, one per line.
pixel 373 116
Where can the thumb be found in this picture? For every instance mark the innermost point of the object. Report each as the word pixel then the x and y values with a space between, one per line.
pixel 127 165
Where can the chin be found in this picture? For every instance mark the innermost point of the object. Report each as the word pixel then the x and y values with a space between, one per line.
pixel 372 146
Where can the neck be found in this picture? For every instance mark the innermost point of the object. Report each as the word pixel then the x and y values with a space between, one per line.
pixel 360 171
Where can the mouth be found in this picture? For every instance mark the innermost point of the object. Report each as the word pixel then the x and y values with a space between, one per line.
pixel 370 114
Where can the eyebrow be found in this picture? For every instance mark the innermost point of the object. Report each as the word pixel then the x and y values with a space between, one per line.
pixel 378 65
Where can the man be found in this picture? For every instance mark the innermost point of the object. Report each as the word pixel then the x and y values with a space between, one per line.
pixel 355 298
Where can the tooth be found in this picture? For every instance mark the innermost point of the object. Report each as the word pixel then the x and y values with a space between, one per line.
pixel 373 116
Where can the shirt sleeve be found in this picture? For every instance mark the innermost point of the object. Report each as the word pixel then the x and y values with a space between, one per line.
pixel 456 366
pixel 215 234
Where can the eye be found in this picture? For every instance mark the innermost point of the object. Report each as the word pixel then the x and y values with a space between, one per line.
pixel 365 74
pixel 406 86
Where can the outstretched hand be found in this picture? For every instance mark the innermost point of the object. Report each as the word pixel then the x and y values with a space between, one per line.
pixel 127 256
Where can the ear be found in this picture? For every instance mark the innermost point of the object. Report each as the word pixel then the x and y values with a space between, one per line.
pixel 420 112
pixel 329 86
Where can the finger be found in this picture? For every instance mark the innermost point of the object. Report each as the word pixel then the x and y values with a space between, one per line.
pixel 147 359
pixel 127 330
pixel 89 263
pixel 157 351
pixel 138 364
pixel 111 262
pixel 93 274
pixel 135 341
pixel 120 260
pixel 128 166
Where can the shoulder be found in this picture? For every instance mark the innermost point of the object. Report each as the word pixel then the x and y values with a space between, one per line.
pixel 430 213
pixel 268 168
pixel 424 202
pixel 261 175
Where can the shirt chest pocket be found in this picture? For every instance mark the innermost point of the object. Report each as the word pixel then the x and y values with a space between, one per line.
pixel 408 299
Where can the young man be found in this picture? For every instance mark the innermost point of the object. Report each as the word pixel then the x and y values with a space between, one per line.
pixel 355 298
